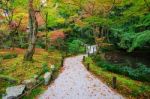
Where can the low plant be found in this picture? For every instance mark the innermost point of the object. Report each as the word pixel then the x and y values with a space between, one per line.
pixel 45 67
pixel 8 56
pixel 75 47
pixel 51 48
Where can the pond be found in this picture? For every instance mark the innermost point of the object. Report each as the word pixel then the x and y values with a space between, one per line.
pixel 128 59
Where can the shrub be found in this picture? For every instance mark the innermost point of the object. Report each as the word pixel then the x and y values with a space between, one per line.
pixel 51 48
pixel 75 47
pixel 45 67
pixel 57 39
pixel 8 56
pixel 40 44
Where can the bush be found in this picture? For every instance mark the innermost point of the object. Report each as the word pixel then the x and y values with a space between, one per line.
pixel 40 44
pixel 75 47
pixel 142 73
pixel 51 48
pixel 45 67
pixel 8 56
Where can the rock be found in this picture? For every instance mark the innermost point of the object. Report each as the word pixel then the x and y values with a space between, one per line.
pixel 14 92
pixel 52 67
pixel 29 83
pixel 11 97
pixel 47 77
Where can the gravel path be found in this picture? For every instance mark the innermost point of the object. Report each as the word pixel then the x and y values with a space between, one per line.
pixel 75 82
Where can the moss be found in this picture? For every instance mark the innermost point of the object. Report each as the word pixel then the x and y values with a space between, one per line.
pixel 4 84
pixel 8 55
pixel 126 86
pixel 35 92
pixel 20 70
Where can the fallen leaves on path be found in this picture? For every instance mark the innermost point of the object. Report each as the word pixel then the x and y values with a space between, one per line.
pixel 75 82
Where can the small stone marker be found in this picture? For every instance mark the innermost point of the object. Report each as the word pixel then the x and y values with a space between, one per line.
pixel 52 67
pixel 29 83
pixel 14 91
pixel 47 77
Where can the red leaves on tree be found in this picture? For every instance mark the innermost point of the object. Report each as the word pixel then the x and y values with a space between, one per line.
pixel 57 34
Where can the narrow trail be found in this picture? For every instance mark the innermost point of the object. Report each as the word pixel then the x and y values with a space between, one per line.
pixel 75 82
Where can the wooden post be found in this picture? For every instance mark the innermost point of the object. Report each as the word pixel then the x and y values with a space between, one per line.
pixel 83 58
pixel 52 78
pixel 114 82
pixel 62 61
pixel 88 66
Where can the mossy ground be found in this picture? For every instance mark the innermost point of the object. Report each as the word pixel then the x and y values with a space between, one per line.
pixel 20 70
pixel 129 88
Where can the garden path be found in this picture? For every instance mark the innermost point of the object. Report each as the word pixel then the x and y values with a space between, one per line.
pixel 75 82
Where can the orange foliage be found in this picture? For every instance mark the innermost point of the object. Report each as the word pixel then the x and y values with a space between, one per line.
pixel 40 19
pixel 57 34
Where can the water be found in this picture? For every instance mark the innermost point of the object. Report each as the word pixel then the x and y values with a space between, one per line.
pixel 128 59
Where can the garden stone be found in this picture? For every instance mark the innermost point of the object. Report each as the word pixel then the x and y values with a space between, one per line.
pixel 14 91
pixel 47 77
pixel 52 67
pixel 29 83
pixel 11 97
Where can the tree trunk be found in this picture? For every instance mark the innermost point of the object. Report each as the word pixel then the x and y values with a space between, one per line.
pixel 107 35
pixel 94 32
pixel 33 25
pixel 46 36
pixel 102 32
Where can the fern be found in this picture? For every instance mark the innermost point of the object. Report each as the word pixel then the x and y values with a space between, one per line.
pixel 140 40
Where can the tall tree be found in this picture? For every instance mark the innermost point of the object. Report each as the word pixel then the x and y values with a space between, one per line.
pixel 33 27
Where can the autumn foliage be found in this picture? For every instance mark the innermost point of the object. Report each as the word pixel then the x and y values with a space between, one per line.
pixel 57 34
pixel 57 38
